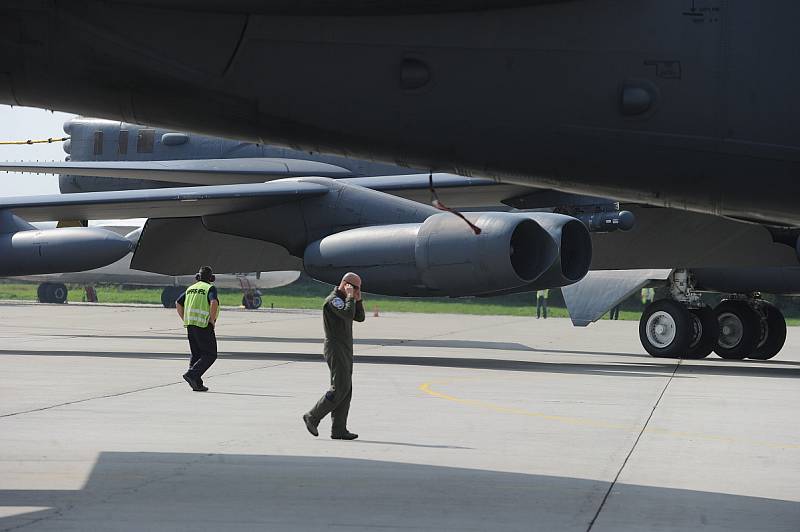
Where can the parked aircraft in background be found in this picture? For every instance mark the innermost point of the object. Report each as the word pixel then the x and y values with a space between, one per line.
pixel 53 289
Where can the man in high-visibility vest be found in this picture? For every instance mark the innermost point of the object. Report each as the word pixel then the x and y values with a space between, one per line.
pixel 541 302
pixel 198 307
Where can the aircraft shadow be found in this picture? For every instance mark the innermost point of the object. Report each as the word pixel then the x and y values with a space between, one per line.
pixel 182 491
pixel 382 342
pixel 649 367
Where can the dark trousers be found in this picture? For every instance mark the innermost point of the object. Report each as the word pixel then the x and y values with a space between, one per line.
pixel 203 343
pixel 541 305
pixel 614 313
pixel 336 400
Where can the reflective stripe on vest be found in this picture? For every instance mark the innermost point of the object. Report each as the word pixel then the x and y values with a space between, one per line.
pixel 196 308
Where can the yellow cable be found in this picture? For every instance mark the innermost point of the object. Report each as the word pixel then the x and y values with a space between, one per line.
pixel 29 141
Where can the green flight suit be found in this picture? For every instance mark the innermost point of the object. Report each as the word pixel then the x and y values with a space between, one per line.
pixel 338 314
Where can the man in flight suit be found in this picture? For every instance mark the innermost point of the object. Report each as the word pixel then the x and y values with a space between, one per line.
pixel 198 307
pixel 341 308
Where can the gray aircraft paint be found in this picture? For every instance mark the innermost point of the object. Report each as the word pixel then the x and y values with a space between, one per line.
pixel 662 237
pixel 683 104
pixel 26 250
pixel 291 215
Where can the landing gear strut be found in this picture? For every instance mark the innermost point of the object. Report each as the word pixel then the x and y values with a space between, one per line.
pixel 52 293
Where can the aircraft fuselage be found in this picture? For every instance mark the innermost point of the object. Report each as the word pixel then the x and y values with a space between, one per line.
pixel 687 104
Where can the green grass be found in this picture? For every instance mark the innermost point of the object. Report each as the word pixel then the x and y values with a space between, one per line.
pixel 309 295
pixel 305 296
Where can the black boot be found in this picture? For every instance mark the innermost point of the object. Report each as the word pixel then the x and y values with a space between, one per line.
pixel 346 435
pixel 196 385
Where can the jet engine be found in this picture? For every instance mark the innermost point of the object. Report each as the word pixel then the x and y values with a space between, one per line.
pixel 70 249
pixel 443 257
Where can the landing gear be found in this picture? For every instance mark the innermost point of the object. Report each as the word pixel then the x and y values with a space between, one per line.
pixel 739 329
pixel 773 333
pixel 52 293
pixel 252 300
pixel 705 331
pixel 743 326
pixel 665 329
pixel 170 294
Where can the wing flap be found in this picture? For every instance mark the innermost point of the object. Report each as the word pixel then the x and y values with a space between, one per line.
pixel 179 246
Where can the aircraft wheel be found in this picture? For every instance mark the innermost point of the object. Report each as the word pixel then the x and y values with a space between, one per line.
pixel 169 295
pixel 57 293
pixel 739 330
pixel 665 329
pixel 252 302
pixel 42 292
pixel 705 332
pixel 775 335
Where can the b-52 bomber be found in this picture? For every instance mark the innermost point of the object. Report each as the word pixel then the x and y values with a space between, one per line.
pixel 738 263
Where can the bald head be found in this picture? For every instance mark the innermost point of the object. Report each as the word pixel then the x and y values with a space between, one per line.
pixel 353 280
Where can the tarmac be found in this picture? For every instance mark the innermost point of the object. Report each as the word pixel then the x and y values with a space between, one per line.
pixel 465 423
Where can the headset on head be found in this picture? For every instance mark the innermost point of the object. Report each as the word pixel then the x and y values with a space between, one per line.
pixel 205 274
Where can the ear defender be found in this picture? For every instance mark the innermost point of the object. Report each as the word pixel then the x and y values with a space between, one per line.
pixel 205 274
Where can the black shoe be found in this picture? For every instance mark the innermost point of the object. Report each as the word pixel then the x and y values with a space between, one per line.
pixel 196 386
pixel 344 436
pixel 312 428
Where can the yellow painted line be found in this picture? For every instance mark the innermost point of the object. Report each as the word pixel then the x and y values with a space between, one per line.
pixel 426 388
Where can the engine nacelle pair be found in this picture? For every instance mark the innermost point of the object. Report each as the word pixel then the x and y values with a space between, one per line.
pixel 515 252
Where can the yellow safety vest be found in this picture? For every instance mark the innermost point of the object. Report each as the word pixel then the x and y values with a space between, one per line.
pixel 196 308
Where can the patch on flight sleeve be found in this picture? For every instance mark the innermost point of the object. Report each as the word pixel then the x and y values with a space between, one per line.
pixel 337 302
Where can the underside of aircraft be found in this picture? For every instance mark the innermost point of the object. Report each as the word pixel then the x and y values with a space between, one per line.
pixel 685 105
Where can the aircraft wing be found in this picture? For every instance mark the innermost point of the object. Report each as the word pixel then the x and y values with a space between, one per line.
pixel 190 172
pixel 160 203
pixel 399 183
pixel 598 292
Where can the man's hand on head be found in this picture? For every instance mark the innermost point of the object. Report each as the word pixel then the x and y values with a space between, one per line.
pixel 349 290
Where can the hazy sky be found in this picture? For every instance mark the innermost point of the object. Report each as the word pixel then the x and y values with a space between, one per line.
pixel 22 123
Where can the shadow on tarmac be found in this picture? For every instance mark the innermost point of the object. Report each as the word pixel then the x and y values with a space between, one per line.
pixel 249 394
pixel 181 491
pixel 381 342
pixel 648 367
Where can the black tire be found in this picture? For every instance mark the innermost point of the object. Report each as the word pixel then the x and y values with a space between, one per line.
pixel 57 293
pixel 42 292
pixel 168 297
pixel 775 335
pixel 705 331
pixel 253 302
pixel 739 330
pixel 665 329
